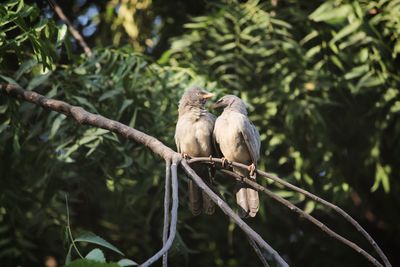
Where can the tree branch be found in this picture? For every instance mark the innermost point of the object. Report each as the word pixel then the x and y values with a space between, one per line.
pixel 309 217
pixel 75 33
pixel 167 197
pixel 84 117
pixel 174 216
pixel 311 196
pixel 258 251
pixel 228 211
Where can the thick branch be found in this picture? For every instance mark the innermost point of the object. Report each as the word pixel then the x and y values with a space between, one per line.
pixel 84 117
pixel 167 197
pixel 228 211
pixel 313 197
pixel 174 216
pixel 309 217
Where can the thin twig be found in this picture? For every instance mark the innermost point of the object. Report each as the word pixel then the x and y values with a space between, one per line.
pixel 258 251
pixel 75 33
pixel 69 230
pixel 174 216
pixel 228 211
pixel 313 197
pixel 167 197
pixel 307 216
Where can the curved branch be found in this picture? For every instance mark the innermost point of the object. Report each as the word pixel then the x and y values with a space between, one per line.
pixel 84 117
pixel 309 217
pixel 228 211
pixel 174 216
pixel 167 198
pixel 311 196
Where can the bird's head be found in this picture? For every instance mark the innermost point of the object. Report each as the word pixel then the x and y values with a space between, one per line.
pixel 232 102
pixel 195 97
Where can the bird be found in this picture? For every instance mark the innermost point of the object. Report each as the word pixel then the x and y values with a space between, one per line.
pixel 237 139
pixel 193 137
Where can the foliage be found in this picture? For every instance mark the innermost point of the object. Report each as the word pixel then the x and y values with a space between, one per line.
pixel 90 263
pixel 322 83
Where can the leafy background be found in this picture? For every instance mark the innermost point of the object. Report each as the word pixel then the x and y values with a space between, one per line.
pixel 322 83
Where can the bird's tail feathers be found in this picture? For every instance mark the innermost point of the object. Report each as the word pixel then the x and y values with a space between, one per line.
pixel 195 201
pixel 198 200
pixel 247 198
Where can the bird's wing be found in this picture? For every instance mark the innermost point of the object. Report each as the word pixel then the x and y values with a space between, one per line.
pixel 252 139
pixel 177 136
pixel 217 150
pixel 212 119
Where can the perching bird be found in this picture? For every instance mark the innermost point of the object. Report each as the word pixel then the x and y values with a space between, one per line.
pixel 193 137
pixel 238 140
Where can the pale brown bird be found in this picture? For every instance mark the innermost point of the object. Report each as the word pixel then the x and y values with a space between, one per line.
pixel 193 137
pixel 238 140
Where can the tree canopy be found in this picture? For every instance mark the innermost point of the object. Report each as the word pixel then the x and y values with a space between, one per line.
pixel 322 84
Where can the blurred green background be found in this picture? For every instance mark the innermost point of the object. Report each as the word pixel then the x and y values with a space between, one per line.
pixel 321 79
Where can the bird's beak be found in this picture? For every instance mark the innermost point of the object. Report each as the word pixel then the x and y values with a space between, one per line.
pixel 207 95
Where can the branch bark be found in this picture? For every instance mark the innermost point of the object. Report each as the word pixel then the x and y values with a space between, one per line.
pixel 167 198
pixel 311 196
pixel 258 251
pixel 228 211
pixel 84 117
pixel 303 214
pixel 174 216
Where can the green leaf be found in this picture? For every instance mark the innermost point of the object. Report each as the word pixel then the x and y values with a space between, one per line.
pixel 328 13
pixel 3 108
pixel 84 102
pixel 228 46
pixel 109 94
pixel 8 79
pixel 382 177
pixel 125 104
pixel 126 262
pixel 309 207
pixel 352 27
pixel 38 80
pixel 62 32
pixel 90 263
pixel 56 125
pixel 25 67
pixel 68 258
pixel 94 239
pixel 310 53
pixel 80 71
pixel 96 255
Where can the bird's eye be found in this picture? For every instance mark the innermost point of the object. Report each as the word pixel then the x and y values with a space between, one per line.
pixel 219 101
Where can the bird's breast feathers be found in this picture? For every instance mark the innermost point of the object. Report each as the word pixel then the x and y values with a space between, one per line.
pixel 228 135
pixel 193 136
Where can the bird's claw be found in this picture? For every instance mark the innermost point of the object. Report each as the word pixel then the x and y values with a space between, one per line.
pixel 252 170
pixel 185 155
pixel 210 158
pixel 225 163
